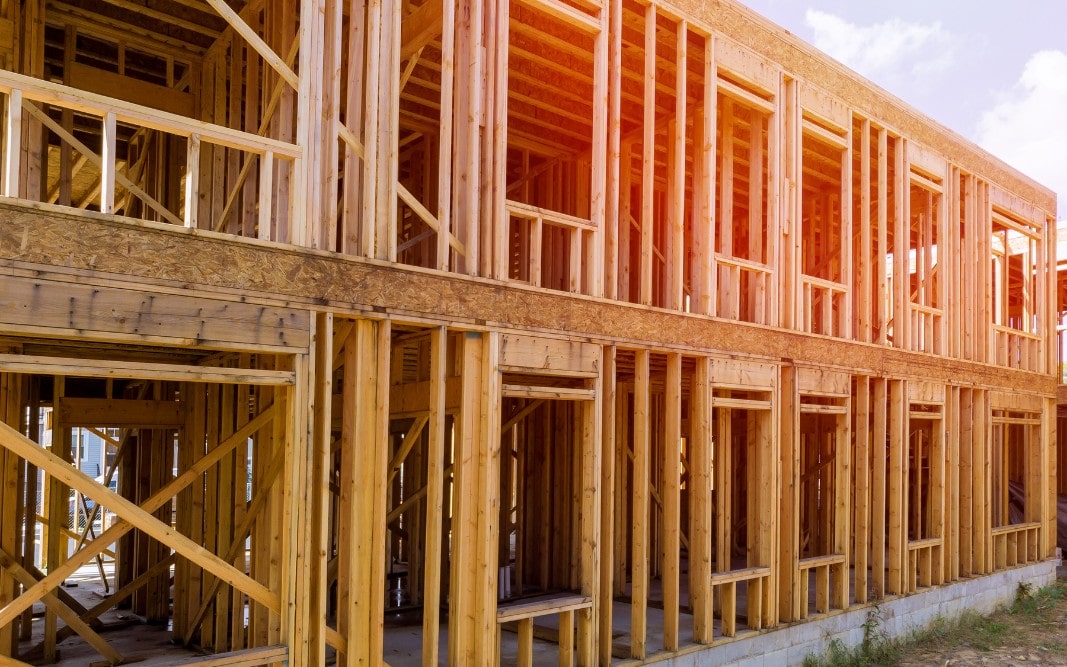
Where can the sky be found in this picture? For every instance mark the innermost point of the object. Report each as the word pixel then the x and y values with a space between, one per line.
pixel 994 71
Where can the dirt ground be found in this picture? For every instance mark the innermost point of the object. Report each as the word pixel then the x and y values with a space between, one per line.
pixel 1033 631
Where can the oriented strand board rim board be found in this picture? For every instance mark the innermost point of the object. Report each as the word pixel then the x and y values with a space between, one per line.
pixel 150 254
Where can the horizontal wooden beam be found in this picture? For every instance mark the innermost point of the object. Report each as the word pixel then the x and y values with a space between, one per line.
pixel 93 368
pixel 413 398
pixel 741 403
pixel 548 393
pixel 743 574
pixel 542 606
pixel 120 413
pixel 41 307
pixel 566 14
pixel 110 84
pixel 820 561
pixel 95 245
pixel 249 657
pixel 817 409
pixel 135 114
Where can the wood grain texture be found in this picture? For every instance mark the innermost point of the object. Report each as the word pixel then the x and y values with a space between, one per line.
pixel 151 256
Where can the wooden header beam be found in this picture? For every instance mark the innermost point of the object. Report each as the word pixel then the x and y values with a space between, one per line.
pixel 18 363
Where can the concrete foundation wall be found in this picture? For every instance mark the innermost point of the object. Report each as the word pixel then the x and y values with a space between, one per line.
pixel 789 645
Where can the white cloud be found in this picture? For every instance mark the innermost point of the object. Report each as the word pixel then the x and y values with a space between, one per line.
pixel 1027 127
pixel 887 52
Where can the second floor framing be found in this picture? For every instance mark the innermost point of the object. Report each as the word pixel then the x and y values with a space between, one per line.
pixel 631 151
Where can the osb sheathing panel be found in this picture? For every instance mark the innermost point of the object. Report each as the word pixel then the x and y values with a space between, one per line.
pixel 150 253
pixel 802 61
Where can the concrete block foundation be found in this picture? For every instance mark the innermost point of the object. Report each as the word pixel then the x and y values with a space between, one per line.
pixel 898 616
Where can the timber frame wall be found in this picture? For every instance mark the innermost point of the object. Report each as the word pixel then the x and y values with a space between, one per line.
pixel 473 313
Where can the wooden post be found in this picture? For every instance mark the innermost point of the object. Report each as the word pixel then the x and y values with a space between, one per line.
pixel 671 495
pixel 703 278
pixel 789 269
pixel 726 286
pixel 622 504
pixel 472 624
pixel 13 144
pixel 446 136
pixel 1043 458
pixel 640 551
pixel 862 410
pixel 494 234
pixel 468 92
pixel 369 244
pixel 862 294
pixel 192 179
pixel 882 225
pixel 603 160
pixel 11 402
pixel 771 256
pixel 332 76
pixel 648 159
pixel 843 498
pixel 966 483
pixel 792 585
pixel 300 587
pixel 846 316
pixel 896 481
pixel 308 633
pixel 590 454
pixel 608 477
pixel 306 218
pixel 363 473
pixel 614 222
pixel 434 495
pixel 982 480
pixel 952 484
pixel 700 524
pixel 675 270
pixel 387 135
pixel 57 503
pixel 901 226
pixel 765 445
pixel 108 164
pixel 266 188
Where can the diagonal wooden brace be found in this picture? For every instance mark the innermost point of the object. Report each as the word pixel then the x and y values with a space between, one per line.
pixel 31 451
pixel 238 543
pixel 100 163
pixel 256 42
pixel 118 596
pixel 69 616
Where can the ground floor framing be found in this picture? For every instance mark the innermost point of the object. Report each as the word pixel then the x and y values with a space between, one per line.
pixel 320 457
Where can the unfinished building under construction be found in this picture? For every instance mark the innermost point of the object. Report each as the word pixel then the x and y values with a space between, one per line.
pixel 420 332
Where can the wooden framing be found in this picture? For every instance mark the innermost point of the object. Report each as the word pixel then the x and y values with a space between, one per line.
pixel 573 328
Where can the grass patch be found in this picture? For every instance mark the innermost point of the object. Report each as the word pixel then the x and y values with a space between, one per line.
pixel 1027 622
pixel 877 648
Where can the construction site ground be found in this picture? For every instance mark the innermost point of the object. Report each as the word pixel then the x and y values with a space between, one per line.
pixel 1031 631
